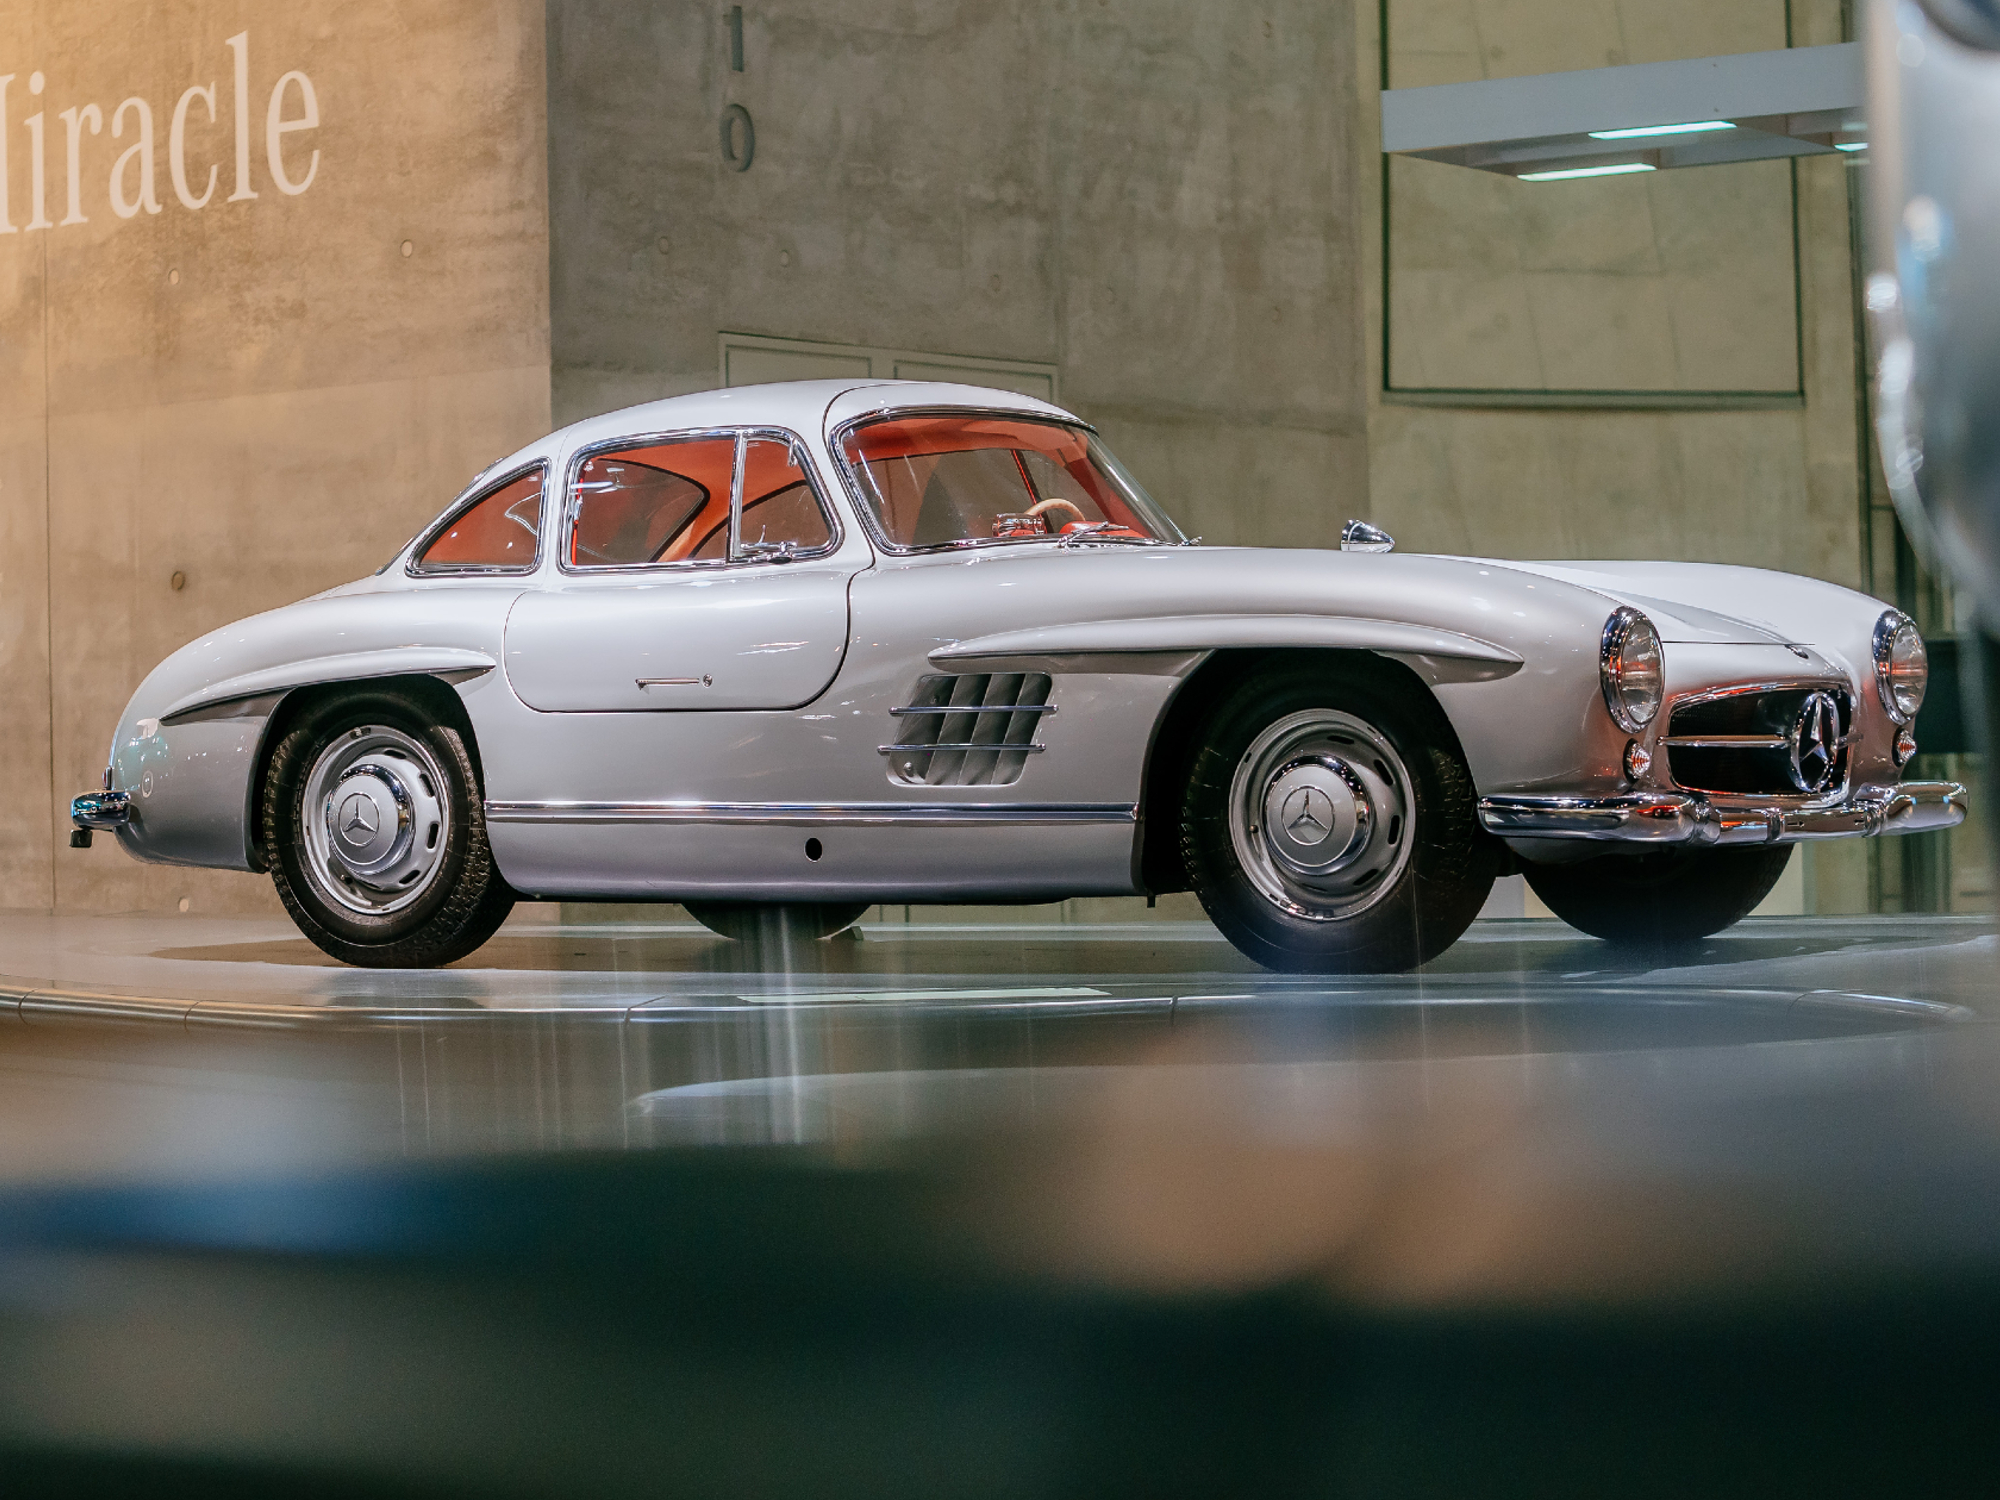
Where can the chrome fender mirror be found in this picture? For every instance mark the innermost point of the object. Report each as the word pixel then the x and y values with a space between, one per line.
pixel 1359 536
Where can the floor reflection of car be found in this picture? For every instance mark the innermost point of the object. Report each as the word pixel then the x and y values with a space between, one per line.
pixel 782 652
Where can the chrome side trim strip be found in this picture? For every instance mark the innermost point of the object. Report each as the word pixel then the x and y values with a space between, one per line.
pixel 820 814
pixel 1682 818
pixel 1029 748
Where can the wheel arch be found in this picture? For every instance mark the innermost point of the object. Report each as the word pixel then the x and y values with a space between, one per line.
pixel 434 694
pixel 1170 754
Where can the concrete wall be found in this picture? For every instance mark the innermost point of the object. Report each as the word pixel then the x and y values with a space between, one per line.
pixel 1668 281
pixel 1156 196
pixel 1776 487
pixel 264 395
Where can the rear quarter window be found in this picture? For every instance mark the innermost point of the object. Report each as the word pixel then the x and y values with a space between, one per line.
pixel 500 529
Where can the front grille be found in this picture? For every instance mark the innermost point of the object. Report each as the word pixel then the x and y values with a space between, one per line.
pixel 1742 743
pixel 971 730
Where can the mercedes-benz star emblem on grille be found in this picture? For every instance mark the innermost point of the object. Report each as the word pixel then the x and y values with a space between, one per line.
pixel 1815 744
pixel 359 819
pixel 1308 816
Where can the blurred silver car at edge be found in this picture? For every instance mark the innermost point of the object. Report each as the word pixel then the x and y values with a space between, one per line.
pixel 1328 746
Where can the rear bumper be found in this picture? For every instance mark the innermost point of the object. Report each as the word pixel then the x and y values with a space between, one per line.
pixel 1690 818
pixel 106 811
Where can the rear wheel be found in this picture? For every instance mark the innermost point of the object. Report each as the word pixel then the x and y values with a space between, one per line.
pixel 775 923
pixel 1329 824
pixel 1655 900
pixel 376 836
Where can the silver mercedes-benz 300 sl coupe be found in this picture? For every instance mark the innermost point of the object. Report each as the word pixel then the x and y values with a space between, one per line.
pixel 781 652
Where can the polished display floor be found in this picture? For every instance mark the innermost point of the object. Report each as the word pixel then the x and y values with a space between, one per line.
pixel 1066 1209
pixel 193 1045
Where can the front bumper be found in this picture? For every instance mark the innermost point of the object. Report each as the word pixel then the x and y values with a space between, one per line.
pixel 1690 818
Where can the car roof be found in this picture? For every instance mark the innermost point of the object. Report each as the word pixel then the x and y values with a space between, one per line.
pixel 801 405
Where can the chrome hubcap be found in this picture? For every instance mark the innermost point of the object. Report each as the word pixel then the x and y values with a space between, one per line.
pixel 1319 814
pixel 377 820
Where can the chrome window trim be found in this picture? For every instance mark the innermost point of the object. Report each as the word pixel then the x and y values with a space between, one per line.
pixel 474 494
pixel 866 512
pixel 820 814
pixel 744 435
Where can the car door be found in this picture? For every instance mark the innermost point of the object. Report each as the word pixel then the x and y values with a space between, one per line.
pixel 696 572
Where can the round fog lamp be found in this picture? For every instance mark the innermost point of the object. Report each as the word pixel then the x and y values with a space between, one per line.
pixel 1906 746
pixel 1902 668
pixel 1638 761
pixel 1631 667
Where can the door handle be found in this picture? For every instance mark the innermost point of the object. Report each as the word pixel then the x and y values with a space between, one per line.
pixel 702 681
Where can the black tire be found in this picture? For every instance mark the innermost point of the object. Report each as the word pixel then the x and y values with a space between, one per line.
pixel 1402 896
pixel 775 923
pixel 1661 899
pixel 445 897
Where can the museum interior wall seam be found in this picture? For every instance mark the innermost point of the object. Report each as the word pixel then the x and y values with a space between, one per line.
pixel 261 396
pixel 1155 196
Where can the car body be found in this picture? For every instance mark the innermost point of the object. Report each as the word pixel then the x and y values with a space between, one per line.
pixel 755 725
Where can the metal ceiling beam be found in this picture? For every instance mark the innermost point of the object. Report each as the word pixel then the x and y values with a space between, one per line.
pixel 1797 101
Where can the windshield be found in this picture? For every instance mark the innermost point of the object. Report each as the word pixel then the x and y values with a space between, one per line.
pixel 952 480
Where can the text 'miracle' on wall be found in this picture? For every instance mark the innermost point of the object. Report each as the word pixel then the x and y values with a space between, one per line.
pixel 209 133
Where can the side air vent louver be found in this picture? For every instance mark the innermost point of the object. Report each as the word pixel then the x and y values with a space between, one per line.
pixel 975 730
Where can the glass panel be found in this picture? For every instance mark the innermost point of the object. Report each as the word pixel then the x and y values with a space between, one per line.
pixel 498 530
pixel 650 503
pixel 951 480
pixel 779 507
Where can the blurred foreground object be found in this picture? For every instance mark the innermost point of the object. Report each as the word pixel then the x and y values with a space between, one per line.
pixel 1933 298
pixel 1753 1271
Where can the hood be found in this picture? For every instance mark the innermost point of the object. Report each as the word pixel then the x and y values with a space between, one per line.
pixel 1652 588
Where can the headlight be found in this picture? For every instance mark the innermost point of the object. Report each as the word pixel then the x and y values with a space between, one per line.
pixel 1630 664
pixel 1902 668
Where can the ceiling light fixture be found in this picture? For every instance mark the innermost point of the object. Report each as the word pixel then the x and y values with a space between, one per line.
pixel 1691 127
pixel 1563 176
pixel 1850 145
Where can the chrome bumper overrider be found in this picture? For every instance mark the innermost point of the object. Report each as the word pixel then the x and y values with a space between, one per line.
pixel 104 810
pixel 1689 818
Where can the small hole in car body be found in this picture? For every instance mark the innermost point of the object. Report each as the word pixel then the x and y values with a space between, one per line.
pixel 814 849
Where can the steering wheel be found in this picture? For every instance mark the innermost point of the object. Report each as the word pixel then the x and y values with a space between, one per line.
pixel 1039 506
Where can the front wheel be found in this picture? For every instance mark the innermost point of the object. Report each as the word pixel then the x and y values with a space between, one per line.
pixel 376 836
pixel 1329 824
pixel 1656 900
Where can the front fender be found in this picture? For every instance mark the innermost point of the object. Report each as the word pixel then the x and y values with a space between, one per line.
pixel 350 666
pixel 190 740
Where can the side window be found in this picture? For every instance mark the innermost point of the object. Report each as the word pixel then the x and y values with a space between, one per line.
pixel 498 530
pixel 780 510
pixel 650 503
